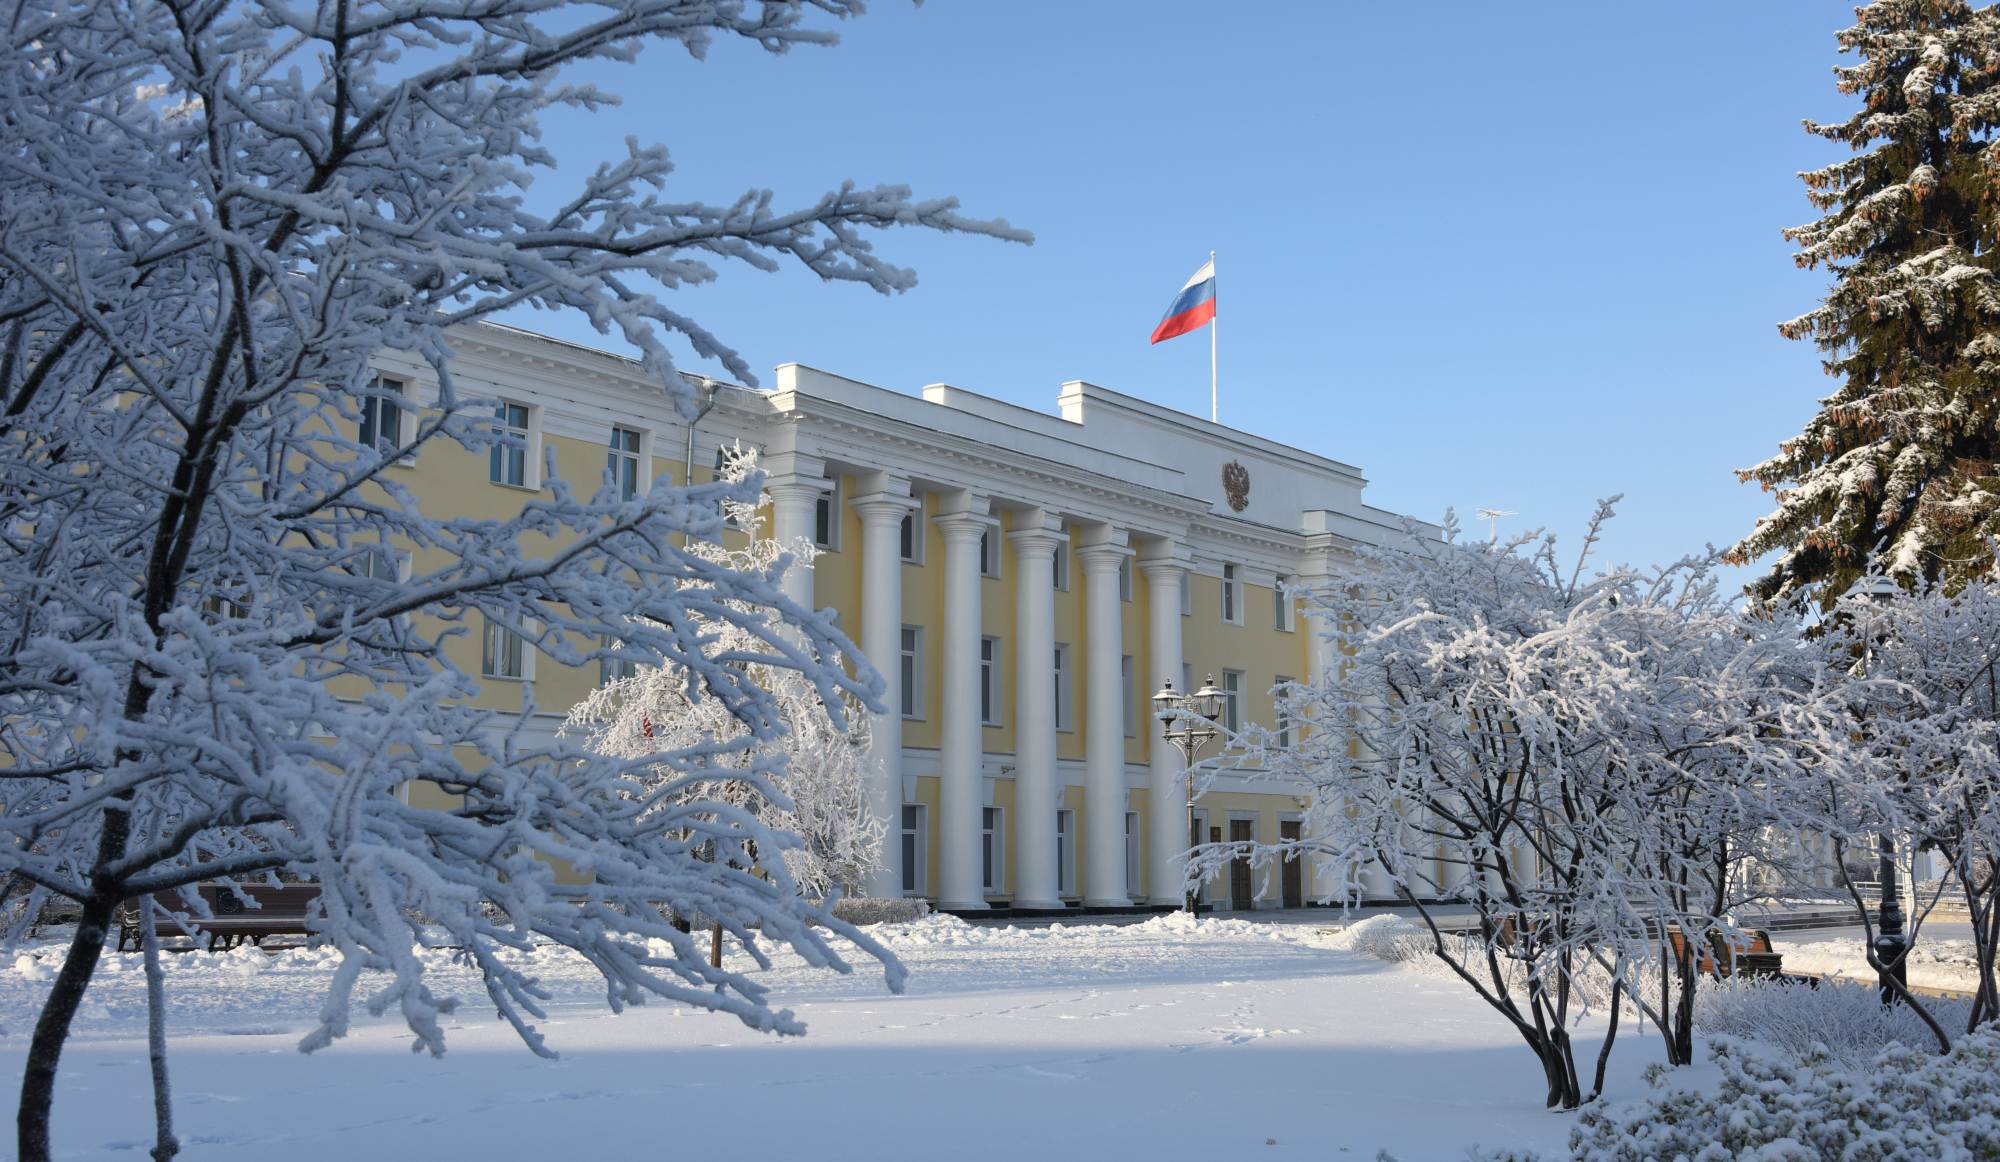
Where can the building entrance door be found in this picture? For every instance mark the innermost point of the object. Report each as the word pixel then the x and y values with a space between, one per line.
pixel 1240 896
pixel 1293 881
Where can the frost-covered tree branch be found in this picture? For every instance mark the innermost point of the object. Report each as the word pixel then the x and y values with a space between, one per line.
pixel 213 217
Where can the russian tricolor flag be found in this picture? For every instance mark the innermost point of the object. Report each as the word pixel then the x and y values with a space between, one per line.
pixel 1193 307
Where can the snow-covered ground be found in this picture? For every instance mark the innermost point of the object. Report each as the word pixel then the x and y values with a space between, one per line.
pixel 1942 957
pixel 1159 1040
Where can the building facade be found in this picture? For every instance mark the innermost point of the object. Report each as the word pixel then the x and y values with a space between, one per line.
pixel 1023 581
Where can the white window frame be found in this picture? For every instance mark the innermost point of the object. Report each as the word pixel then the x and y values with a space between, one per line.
pixel 989 681
pixel 989 553
pixel 1065 852
pixel 1232 595
pixel 1281 606
pixel 530 449
pixel 399 564
pixel 1126 669
pixel 913 843
pixel 1134 868
pixel 638 457
pixel 911 537
pixel 910 645
pixel 383 443
pixel 1284 723
pixel 1059 564
pixel 494 632
pixel 1065 716
pixel 1187 593
pixel 1232 700
pixel 993 849
pixel 826 512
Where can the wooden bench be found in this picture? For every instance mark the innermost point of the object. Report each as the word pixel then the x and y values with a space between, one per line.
pixel 1750 954
pixel 279 911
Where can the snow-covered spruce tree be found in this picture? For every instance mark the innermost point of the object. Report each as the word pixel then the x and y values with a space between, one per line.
pixel 1900 469
pixel 830 837
pixel 1562 755
pixel 212 216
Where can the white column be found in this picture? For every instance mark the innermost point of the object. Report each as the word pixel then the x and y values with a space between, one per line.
pixel 1036 794
pixel 1104 726
pixel 793 501
pixel 960 793
pixel 882 640
pixel 1169 838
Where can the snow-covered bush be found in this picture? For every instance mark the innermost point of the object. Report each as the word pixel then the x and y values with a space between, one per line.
pixel 1387 937
pixel 1846 1018
pixel 806 783
pixel 1905 1105
pixel 881 910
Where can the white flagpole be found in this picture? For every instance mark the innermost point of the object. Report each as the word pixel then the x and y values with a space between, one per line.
pixel 1214 399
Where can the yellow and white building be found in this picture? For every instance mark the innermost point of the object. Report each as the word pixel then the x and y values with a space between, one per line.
pixel 1023 581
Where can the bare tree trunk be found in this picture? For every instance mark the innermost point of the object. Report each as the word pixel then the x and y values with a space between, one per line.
pixel 166 1145
pixel 38 1081
pixel 1610 1035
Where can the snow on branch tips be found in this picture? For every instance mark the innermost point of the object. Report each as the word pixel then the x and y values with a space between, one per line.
pixel 235 647
pixel 1584 761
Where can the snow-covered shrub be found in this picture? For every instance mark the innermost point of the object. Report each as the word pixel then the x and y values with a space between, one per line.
pixel 1906 1105
pixel 881 910
pixel 1387 937
pixel 1845 1018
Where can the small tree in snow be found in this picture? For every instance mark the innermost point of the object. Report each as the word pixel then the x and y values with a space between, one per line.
pixel 1566 756
pixel 212 217
pixel 830 839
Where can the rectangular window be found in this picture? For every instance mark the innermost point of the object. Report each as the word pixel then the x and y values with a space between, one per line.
pixel 913 849
pixel 1281 607
pixel 1125 579
pixel 502 654
pixel 1063 687
pixel 611 670
pixel 989 681
pixel 989 553
pixel 507 461
pixel 1232 700
pixel 1232 602
pixel 1187 595
pixel 1284 720
pixel 1131 707
pixel 992 846
pixel 1133 872
pixel 826 519
pixel 913 671
pixel 379 564
pixel 1060 564
pixel 913 538
pixel 621 460
pixel 1066 853
pixel 382 416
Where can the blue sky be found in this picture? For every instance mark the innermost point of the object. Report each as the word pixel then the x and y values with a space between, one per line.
pixel 1511 255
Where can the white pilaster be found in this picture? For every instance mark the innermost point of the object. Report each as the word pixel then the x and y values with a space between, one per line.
pixel 882 513
pixel 1104 724
pixel 1036 795
pixel 793 500
pixel 963 521
pixel 1169 823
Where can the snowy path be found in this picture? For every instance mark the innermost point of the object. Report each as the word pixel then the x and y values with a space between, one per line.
pixel 1234 1040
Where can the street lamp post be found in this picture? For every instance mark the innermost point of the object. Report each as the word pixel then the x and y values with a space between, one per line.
pixel 1891 945
pixel 1188 722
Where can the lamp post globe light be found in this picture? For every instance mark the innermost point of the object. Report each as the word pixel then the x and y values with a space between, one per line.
pixel 1188 722
pixel 1891 945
